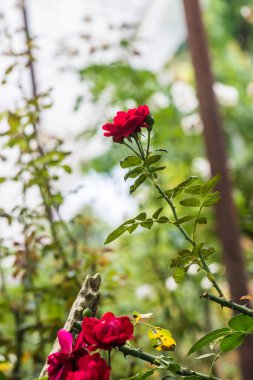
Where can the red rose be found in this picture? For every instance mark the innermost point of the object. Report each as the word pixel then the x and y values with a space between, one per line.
pixel 60 363
pixel 107 332
pixel 127 123
pixel 90 367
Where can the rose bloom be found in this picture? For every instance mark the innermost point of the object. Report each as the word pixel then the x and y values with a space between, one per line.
pixel 90 367
pixel 125 124
pixel 60 363
pixel 107 332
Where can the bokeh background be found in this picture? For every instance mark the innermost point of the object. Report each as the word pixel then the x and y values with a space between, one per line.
pixel 65 69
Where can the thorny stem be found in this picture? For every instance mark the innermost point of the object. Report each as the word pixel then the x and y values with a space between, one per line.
pixel 156 360
pixel 229 304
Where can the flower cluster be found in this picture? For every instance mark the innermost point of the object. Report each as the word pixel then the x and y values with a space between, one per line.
pixel 126 124
pixel 74 362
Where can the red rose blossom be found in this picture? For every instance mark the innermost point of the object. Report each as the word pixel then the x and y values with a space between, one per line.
pixel 60 363
pixel 107 332
pixel 90 367
pixel 126 123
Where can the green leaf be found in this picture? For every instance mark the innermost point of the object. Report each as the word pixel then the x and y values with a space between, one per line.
pixel 195 189
pixel 208 338
pixel 190 202
pixel 242 323
pixel 197 248
pixel 129 221
pixel 153 169
pixel 67 168
pixel 153 159
pixel 208 186
pixel 148 224
pixel 130 161
pixel 157 213
pixel 184 219
pixel 211 201
pixel 163 219
pixel 137 183
pixel 181 261
pixel 202 220
pixel 141 216
pixel 187 182
pixel 207 251
pixel 231 341
pixel 116 233
pixel 2 179
pixel 13 121
pixel 133 173
pixel 132 228
pixel 179 275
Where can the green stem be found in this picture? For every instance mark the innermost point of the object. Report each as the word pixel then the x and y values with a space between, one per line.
pixel 132 149
pixel 138 143
pixel 109 358
pixel 196 221
pixel 182 230
pixel 156 360
pixel 210 276
pixel 173 208
pixel 148 144
pixel 229 304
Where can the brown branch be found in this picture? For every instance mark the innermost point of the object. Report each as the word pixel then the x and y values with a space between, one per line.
pixel 88 297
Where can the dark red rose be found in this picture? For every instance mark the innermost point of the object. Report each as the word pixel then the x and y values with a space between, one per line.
pixel 107 332
pixel 60 363
pixel 125 124
pixel 90 367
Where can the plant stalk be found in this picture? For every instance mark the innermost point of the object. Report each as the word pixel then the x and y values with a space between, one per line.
pixel 229 304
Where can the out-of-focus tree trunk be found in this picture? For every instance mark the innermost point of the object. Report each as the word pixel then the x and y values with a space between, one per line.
pixel 227 222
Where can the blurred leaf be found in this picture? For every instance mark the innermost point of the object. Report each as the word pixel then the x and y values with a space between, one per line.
pixel 248 297
pixel 202 220
pixel 187 182
pixel 184 219
pixel 195 189
pixel 179 275
pixel 211 201
pixel 190 202
pixel 141 216
pixel 147 224
pixel 116 233
pixel 208 186
pixel 157 213
pixel 163 219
